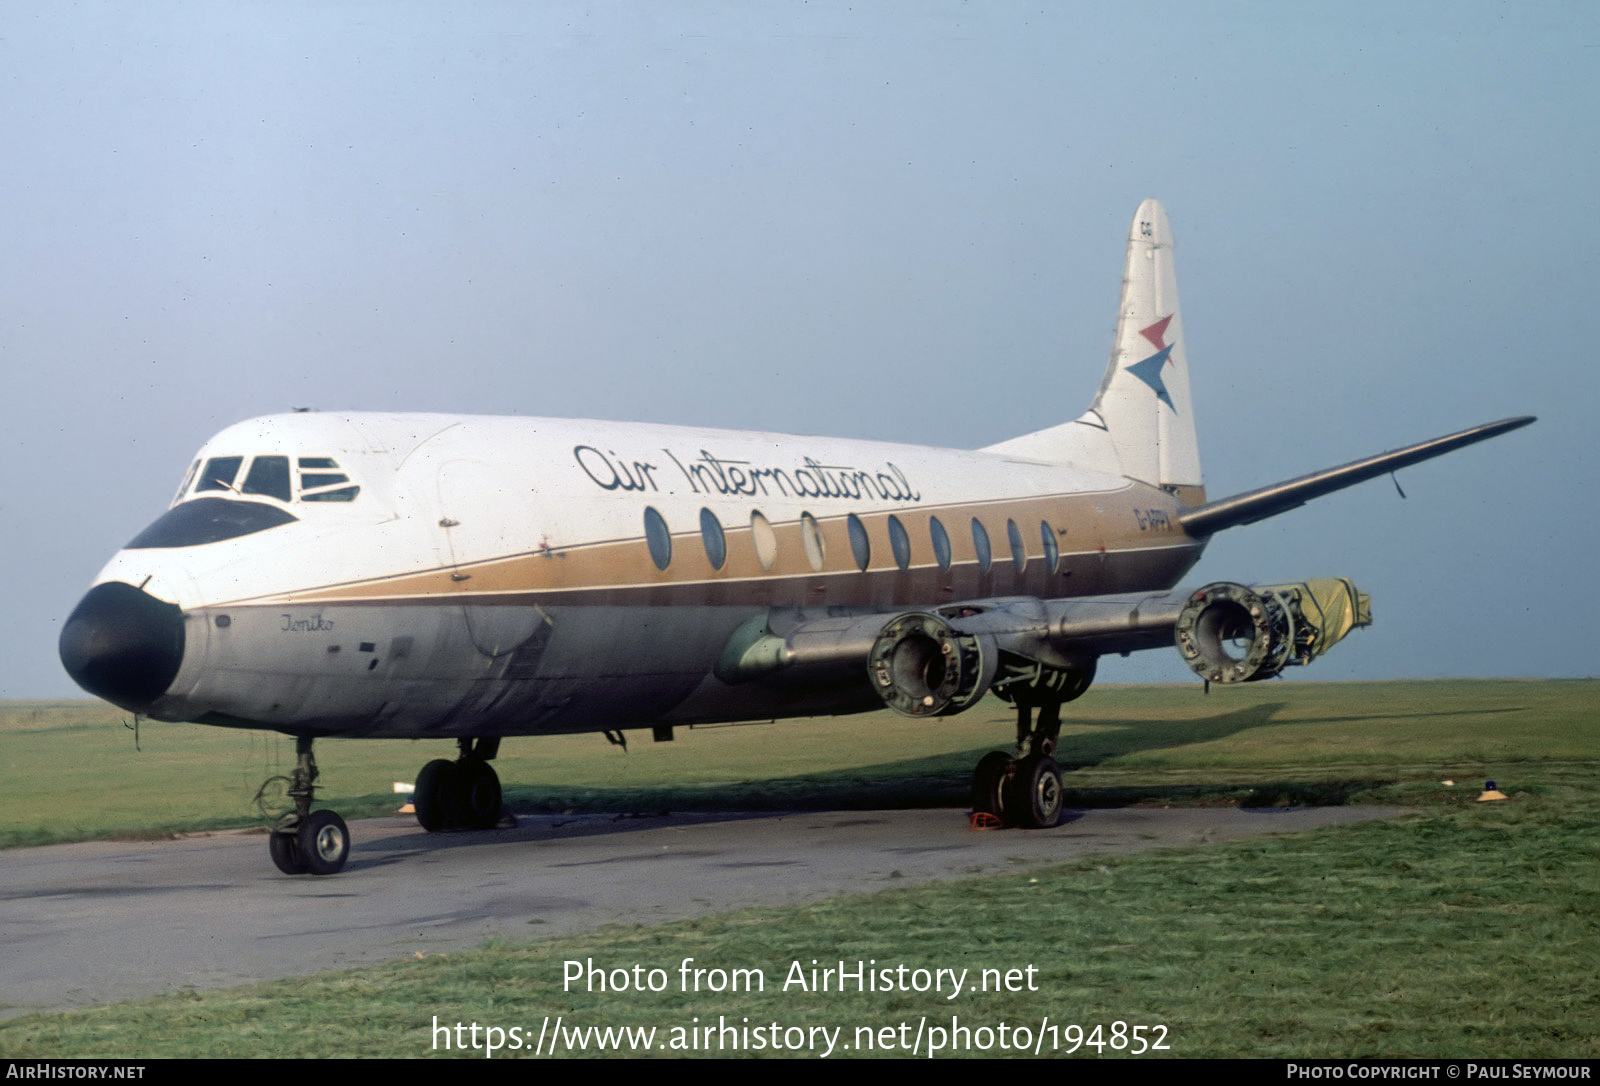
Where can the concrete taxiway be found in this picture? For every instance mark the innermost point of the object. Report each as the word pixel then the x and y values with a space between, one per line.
pixel 91 923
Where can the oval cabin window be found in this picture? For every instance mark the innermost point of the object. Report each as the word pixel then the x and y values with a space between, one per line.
pixel 941 542
pixel 711 534
pixel 899 542
pixel 980 543
pixel 765 540
pixel 658 537
pixel 860 545
pixel 811 536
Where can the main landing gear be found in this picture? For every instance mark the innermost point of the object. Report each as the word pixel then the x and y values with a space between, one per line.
pixel 463 794
pixel 306 841
pixel 1025 790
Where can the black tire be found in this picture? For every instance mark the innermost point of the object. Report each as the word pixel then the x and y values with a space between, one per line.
pixel 286 855
pixel 437 796
pixel 480 794
pixel 988 783
pixel 324 843
pixel 1033 797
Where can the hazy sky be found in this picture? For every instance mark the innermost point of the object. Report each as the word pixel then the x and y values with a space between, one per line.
pixel 901 221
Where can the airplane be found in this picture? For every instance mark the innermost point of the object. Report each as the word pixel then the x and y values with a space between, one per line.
pixel 475 577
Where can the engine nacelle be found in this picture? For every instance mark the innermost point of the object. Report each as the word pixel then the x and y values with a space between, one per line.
pixel 1232 634
pixel 1228 633
pixel 921 666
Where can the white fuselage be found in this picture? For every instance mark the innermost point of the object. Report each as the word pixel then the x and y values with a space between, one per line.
pixel 448 575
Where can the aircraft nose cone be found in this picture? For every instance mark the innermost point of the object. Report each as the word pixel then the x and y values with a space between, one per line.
pixel 123 644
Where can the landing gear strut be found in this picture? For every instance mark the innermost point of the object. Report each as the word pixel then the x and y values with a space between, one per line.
pixel 304 840
pixel 463 794
pixel 1024 790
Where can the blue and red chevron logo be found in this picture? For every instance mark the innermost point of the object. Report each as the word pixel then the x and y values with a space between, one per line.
pixel 1149 369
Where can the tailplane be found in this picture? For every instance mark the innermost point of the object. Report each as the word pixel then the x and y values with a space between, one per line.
pixel 1142 414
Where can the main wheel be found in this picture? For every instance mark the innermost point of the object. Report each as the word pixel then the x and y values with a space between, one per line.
pixel 988 784
pixel 480 794
pixel 285 850
pixel 437 796
pixel 324 843
pixel 1033 798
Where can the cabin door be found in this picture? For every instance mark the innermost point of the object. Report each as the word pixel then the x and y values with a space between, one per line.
pixel 485 526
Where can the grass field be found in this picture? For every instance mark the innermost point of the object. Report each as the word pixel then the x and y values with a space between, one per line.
pixel 1465 930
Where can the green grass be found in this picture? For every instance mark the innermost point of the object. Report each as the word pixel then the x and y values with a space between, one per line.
pixel 69 771
pixel 1465 930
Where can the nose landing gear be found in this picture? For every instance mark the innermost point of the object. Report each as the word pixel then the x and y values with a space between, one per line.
pixel 305 841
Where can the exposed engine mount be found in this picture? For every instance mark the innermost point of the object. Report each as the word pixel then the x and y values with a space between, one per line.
pixel 1228 633
pixel 1025 681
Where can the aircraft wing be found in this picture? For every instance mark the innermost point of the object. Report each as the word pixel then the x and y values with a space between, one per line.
pixel 939 662
pixel 1269 501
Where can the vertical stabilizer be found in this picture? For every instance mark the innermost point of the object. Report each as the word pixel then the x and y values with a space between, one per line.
pixel 1140 424
pixel 1143 404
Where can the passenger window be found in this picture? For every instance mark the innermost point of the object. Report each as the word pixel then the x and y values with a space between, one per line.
pixel 657 537
pixel 860 545
pixel 899 542
pixel 766 541
pixel 1019 556
pixel 941 542
pixel 219 473
pixel 980 543
pixel 811 536
pixel 1052 553
pixel 711 534
pixel 268 475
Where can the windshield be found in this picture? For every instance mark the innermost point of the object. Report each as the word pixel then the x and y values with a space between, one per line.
pixel 313 478
pixel 209 520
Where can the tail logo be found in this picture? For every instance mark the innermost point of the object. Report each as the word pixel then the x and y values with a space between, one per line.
pixel 1149 370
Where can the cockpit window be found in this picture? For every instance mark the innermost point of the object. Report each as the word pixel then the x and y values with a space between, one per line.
pixel 209 520
pixel 343 494
pixel 321 481
pixel 269 475
pixel 219 473
pixel 194 468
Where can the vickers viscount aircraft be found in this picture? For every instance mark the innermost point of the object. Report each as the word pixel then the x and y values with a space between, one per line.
pixel 420 576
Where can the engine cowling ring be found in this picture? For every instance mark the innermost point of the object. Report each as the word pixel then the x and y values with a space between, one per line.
pixel 1228 633
pixel 920 666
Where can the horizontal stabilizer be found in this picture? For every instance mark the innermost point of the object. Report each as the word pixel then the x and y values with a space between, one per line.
pixel 1269 501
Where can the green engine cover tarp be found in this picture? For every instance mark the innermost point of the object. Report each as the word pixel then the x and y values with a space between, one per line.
pixel 1332 606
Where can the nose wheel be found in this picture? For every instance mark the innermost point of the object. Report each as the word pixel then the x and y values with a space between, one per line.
pixel 306 841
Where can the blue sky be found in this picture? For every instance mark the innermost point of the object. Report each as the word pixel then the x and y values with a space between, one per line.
pixel 899 221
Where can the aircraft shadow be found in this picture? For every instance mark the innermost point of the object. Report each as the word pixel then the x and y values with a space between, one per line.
pixel 944 780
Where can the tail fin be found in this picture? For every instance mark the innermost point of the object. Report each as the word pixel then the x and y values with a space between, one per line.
pixel 1144 400
pixel 1142 408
